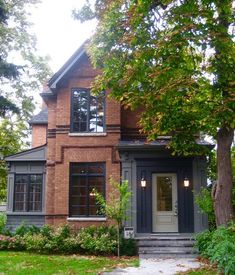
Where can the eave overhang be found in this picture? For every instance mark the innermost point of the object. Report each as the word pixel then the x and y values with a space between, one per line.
pixel 34 154
pixel 57 77
pixel 160 144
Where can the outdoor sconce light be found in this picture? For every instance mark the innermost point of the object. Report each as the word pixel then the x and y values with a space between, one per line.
pixel 186 182
pixel 143 183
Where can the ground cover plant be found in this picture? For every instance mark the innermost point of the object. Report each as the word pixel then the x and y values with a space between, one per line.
pixel 219 247
pixel 21 263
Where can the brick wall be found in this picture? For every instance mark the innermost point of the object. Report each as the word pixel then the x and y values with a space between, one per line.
pixel 39 135
pixel 63 148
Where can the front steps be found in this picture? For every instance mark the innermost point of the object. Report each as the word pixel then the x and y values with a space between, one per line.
pixel 166 246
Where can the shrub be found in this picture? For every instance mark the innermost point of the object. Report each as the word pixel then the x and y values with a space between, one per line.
pixel 3 220
pixel 128 247
pixel 98 240
pixel 11 243
pixel 205 203
pixel 35 242
pixel 202 241
pixel 46 231
pixel 219 247
pixel 89 240
pixel 59 240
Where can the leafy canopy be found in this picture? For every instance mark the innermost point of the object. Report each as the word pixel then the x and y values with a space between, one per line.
pixel 22 72
pixel 174 58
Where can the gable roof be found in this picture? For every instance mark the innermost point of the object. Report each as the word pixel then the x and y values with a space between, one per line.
pixel 40 118
pixel 52 84
pixel 34 154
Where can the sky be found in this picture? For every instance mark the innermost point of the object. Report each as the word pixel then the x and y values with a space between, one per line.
pixel 58 34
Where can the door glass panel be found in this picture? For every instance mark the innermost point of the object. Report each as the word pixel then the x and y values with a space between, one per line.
pixel 164 193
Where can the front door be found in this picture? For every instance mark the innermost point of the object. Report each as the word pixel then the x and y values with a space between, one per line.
pixel 164 206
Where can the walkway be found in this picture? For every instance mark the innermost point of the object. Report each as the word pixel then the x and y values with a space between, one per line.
pixel 158 266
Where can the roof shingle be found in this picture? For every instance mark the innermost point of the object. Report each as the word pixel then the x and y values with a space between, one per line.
pixel 40 118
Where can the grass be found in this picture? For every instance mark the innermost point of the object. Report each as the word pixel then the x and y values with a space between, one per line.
pixel 206 269
pixel 199 271
pixel 21 263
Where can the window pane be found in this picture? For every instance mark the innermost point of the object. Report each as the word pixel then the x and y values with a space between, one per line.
pixel 80 110
pixel 35 193
pixel 78 211
pixel 87 111
pixel 78 201
pixel 94 211
pixel 100 114
pixel 93 115
pixel 96 169
pixel 164 194
pixel 78 168
pixel 81 188
pixel 36 178
pixel 97 183
pixel 78 181
pixel 20 193
pixel 20 206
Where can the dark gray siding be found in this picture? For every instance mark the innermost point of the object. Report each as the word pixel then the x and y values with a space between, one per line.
pixel 180 166
pixel 13 221
pixel 29 162
pixel 135 160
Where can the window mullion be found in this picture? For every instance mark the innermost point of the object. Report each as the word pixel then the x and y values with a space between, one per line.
pixel 28 194
pixel 88 110
pixel 87 197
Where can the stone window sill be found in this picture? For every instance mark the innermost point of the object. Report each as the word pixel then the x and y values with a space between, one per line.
pixel 87 219
pixel 87 134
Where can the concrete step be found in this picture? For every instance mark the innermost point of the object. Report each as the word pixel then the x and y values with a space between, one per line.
pixel 171 249
pixel 167 256
pixel 151 243
pixel 166 246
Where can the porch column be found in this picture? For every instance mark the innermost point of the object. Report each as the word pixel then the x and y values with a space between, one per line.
pixel 129 173
pixel 199 180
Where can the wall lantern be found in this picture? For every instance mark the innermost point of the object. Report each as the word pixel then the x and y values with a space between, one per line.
pixel 143 183
pixel 186 182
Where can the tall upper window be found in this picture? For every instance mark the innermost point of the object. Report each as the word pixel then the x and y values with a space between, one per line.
pixel 28 192
pixel 84 177
pixel 87 111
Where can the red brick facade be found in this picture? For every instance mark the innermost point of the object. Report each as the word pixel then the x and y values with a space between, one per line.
pixel 64 148
pixel 39 135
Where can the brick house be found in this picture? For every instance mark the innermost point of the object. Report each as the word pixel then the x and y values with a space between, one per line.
pixel 78 142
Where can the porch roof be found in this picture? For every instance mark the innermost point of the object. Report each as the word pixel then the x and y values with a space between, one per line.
pixel 160 143
pixel 33 154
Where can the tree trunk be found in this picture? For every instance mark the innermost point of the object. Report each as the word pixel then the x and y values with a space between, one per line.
pixel 223 193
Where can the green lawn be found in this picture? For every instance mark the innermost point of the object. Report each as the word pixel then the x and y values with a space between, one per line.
pixel 21 263
pixel 208 270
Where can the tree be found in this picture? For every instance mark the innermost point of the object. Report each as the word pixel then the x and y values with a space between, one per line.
pixel 116 208
pixel 176 59
pixel 19 79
